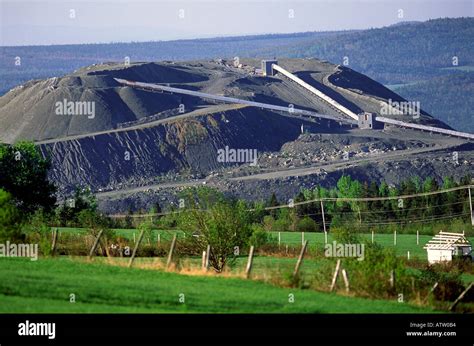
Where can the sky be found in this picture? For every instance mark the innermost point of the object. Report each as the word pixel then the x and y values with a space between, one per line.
pixel 45 22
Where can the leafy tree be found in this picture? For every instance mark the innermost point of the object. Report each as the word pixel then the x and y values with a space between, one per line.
pixel 223 226
pixel 23 173
pixel 307 224
pixel 9 218
pixel 273 202
pixel 84 200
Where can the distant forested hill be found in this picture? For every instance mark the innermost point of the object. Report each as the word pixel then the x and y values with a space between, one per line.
pixel 450 98
pixel 397 54
pixel 402 54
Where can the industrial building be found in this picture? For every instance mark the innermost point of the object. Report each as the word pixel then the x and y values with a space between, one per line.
pixel 367 121
pixel 267 69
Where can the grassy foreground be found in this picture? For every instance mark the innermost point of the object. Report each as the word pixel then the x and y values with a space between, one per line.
pixel 46 285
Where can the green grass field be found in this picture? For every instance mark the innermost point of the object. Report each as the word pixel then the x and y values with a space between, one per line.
pixel 45 286
pixel 405 242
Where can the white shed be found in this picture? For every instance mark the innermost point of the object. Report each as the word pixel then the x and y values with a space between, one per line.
pixel 446 245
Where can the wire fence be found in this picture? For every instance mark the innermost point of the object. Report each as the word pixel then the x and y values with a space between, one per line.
pixel 367 212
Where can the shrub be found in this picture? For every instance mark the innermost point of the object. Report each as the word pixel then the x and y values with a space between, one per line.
pixel 259 237
pixel 345 236
pixel 95 222
pixel 38 230
pixel 307 224
pixel 281 225
pixel 449 283
pixel 268 222
pixel 147 228
pixel 371 275
pixel 10 228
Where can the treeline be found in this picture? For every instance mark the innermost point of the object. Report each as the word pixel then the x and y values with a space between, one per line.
pixel 387 214
pixel 397 54
pixel 426 213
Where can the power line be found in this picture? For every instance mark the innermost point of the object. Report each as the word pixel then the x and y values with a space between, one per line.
pixel 323 199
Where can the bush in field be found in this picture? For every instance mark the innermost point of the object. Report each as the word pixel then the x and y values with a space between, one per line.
pixel 10 228
pixel 281 225
pixel 307 224
pixel 38 230
pixel 95 222
pixel 345 236
pixel 268 223
pixel 449 283
pixel 259 237
pixel 371 275
pixel 168 221
pixel 147 228
pixel 222 225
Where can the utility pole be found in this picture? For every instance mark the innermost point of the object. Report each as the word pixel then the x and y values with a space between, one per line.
pixel 470 206
pixel 324 222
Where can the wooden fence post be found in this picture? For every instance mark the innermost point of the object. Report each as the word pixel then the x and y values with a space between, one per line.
pixel 372 236
pixel 300 259
pixel 434 287
pixel 208 253
pixel 392 278
pixel 136 248
pixel 346 280
pixel 94 246
pixel 249 263
pixel 55 240
pixel 417 237
pixel 336 274
pixel 170 254
pixel 408 255
pixel 461 296
pixel 279 239
pixel 394 237
pixel 203 260
pixel 324 219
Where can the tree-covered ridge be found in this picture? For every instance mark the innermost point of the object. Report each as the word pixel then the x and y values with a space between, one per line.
pixel 391 55
pixel 397 54
pixel 447 98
